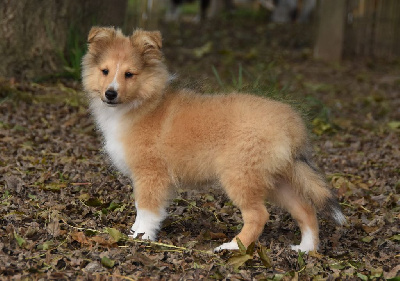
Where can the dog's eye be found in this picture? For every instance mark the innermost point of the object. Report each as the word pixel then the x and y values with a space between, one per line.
pixel 128 74
pixel 105 71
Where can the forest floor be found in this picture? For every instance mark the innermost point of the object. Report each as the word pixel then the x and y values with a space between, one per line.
pixel 65 212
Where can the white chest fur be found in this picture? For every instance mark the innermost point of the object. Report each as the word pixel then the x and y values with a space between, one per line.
pixel 109 121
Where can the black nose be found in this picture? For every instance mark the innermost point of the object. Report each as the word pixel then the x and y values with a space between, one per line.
pixel 111 94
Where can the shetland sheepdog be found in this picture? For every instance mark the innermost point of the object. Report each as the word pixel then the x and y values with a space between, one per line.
pixel 257 149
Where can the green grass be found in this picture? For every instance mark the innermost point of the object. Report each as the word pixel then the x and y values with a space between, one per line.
pixel 70 55
pixel 264 82
pixel 73 53
pixel 190 8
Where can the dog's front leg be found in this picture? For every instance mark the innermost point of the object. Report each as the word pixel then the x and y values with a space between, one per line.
pixel 151 196
pixel 147 223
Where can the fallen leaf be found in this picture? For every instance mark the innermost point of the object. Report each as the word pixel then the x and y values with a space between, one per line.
pixel 115 234
pixel 338 265
pixel 362 276
pixel 84 197
pixel 300 260
pixel 370 229
pixel 101 241
pixel 107 262
pixel 242 248
pixel 53 228
pixel 263 253
pixel 394 125
pixel 250 249
pixel 80 237
pixel 20 241
pixel 46 245
pixel 367 239
pixel 395 237
pixel 94 202
pixel 315 255
pixel 238 261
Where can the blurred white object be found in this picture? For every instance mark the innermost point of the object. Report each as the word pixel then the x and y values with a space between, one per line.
pixel 267 4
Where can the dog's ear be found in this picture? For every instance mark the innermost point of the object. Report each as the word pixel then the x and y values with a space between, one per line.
pixel 149 43
pixel 98 36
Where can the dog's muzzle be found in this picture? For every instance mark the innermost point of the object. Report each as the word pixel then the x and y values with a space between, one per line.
pixel 111 97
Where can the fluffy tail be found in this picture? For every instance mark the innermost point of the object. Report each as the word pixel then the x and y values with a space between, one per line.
pixel 313 186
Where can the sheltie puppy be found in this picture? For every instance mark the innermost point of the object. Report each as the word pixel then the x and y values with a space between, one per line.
pixel 256 148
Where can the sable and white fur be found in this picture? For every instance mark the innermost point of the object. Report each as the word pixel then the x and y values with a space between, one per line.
pixel 256 148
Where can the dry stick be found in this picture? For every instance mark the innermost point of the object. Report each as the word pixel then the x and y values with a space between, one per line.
pixel 123 277
pixel 80 183
pixel 177 248
pixel 82 228
pixel 354 207
pixel 114 275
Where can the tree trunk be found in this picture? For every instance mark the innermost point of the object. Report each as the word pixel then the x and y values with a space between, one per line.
pixel 330 34
pixel 36 36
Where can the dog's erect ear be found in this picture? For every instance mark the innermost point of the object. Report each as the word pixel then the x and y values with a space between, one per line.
pixel 100 35
pixel 149 43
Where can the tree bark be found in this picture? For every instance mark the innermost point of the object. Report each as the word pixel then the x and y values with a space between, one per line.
pixel 329 44
pixel 34 34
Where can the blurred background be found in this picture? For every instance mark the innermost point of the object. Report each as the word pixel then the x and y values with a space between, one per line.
pixel 46 38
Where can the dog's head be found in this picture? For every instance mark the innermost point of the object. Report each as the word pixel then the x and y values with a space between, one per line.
pixel 122 69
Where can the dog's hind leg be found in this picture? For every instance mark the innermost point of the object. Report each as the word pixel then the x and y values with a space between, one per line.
pixel 248 193
pixel 303 212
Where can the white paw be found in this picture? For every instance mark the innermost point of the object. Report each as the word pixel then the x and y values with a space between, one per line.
pixel 302 248
pixel 308 242
pixel 146 223
pixel 227 246
pixel 135 226
pixel 146 235
pixel 141 227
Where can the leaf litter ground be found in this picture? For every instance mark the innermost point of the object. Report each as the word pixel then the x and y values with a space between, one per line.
pixel 65 211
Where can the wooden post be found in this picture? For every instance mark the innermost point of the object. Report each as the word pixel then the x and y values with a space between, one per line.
pixel 330 34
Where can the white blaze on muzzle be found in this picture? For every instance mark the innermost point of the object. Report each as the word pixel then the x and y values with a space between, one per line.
pixel 114 84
